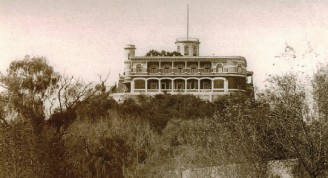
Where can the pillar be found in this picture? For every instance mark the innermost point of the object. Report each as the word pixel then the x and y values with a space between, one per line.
pixel 226 86
pixel 132 86
pixel 185 67
pixel 185 85
pixel 146 85
pixel 172 83
pixel 159 67
pixel 198 85
pixel 212 85
pixel 159 85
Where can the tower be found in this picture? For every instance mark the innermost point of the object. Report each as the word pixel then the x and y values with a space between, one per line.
pixel 129 51
pixel 188 46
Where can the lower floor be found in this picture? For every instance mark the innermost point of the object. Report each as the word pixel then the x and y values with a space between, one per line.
pixel 185 85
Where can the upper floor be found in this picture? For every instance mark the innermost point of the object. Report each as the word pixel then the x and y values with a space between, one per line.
pixel 186 66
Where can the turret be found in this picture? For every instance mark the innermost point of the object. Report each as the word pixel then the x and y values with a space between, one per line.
pixel 129 51
pixel 188 46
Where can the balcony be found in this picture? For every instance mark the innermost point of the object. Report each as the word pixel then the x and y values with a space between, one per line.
pixel 232 70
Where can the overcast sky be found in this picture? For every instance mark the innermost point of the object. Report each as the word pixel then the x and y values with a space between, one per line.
pixel 86 37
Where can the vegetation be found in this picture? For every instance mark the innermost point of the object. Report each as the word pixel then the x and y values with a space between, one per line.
pixel 53 125
pixel 153 52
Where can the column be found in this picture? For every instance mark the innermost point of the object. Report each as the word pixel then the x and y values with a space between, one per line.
pixel 212 67
pixel 159 67
pixel 172 85
pixel 198 85
pixel 159 85
pixel 185 86
pixel 198 66
pixel 186 66
pixel 212 85
pixel 132 86
pixel 146 85
pixel 226 86
pixel 172 66
pixel 146 67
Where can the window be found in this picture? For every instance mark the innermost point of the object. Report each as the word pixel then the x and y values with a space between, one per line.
pixel 166 68
pixel 153 85
pixel 218 83
pixel 178 49
pixel 186 50
pixel 180 67
pixel 193 68
pixel 153 68
pixel 207 67
pixel 194 50
pixel 219 68
pixel 139 84
pixel 239 69
pixel 139 68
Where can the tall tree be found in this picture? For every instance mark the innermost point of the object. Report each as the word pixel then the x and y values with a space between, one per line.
pixel 29 82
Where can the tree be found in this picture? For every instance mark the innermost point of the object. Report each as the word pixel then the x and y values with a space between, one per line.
pixel 29 83
pixel 304 135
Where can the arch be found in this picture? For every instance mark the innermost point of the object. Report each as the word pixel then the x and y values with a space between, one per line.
pixel 219 68
pixel 218 83
pixel 165 83
pixel 152 83
pixel 139 83
pixel 186 50
pixel 178 78
pixel 194 50
pixel 179 84
pixel 192 83
pixel 206 83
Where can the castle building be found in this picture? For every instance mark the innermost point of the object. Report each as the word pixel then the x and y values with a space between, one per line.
pixel 186 73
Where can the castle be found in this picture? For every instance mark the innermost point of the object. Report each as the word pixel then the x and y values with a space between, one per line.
pixel 183 72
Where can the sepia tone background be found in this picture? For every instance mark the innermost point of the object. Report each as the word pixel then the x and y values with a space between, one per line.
pixel 86 37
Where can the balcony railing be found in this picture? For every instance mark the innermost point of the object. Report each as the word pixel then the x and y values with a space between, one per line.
pixel 188 71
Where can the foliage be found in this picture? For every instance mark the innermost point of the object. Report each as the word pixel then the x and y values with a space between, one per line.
pixel 153 52
pixel 88 134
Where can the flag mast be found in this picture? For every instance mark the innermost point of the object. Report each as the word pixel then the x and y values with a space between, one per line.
pixel 187 21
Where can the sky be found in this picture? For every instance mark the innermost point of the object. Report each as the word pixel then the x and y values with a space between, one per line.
pixel 86 38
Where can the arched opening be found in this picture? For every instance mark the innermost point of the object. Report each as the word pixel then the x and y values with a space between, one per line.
pixel 139 84
pixel 218 84
pixel 205 84
pixel 178 49
pixel 219 68
pixel 192 85
pixel 179 85
pixel 186 50
pixel 166 84
pixel 152 85
pixel 237 83
pixel 194 50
